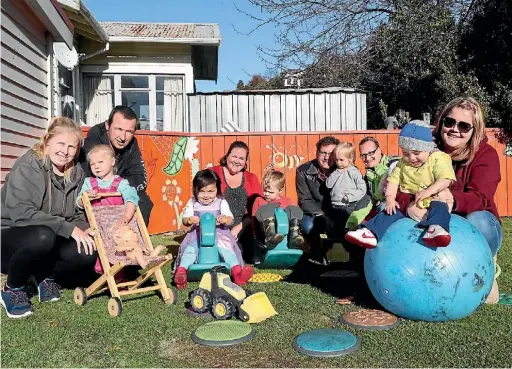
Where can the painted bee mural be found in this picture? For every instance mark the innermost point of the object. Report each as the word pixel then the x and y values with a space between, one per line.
pixel 281 158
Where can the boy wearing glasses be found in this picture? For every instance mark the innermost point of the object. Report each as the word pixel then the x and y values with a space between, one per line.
pixel 417 183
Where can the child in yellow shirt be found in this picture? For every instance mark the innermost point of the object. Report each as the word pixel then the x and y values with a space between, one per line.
pixel 423 175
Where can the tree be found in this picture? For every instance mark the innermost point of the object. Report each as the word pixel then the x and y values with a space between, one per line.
pixel 412 55
pixel 308 29
pixel 258 82
pixel 407 56
pixel 486 48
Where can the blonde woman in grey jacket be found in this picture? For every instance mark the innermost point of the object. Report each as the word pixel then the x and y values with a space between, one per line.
pixel 44 234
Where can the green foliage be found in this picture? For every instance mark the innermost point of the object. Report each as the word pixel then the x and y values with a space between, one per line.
pixel 383 109
pixel 258 82
pixel 486 50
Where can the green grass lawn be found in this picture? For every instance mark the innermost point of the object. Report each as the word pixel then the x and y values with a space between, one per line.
pixel 152 334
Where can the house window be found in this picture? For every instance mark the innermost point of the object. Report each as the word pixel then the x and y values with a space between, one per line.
pixel 135 94
pixel 158 101
pixel 169 103
pixel 67 100
pixel 98 98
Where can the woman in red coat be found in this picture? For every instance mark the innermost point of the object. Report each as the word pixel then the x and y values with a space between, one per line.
pixel 240 188
pixel 460 132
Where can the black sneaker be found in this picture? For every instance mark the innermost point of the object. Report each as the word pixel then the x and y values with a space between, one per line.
pixel 16 302
pixel 48 290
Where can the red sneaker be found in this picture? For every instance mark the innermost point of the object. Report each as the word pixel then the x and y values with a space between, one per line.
pixel 362 237
pixel 180 278
pixel 241 275
pixel 436 236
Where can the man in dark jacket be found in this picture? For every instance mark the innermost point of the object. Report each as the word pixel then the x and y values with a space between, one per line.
pixel 119 132
pixel 313 195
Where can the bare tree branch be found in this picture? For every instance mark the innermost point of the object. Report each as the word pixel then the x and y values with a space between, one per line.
pixel 305 29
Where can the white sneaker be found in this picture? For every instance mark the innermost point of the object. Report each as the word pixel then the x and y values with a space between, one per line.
pixel 494 295
pixel 362 237
pixel 436 236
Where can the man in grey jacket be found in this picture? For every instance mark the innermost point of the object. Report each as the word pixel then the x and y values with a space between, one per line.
pixel 312 193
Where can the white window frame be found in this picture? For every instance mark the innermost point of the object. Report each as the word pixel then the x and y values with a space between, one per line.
pixel 152 92
pixel 148 89
pixel 183 96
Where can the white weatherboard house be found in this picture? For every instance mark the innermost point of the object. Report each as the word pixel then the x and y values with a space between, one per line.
pixel 150 67
pixel 28 30
pixel 147 66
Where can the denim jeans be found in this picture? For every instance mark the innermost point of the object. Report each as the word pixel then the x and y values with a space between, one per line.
pixel 489 226
pixel 307 224
pixel 437 215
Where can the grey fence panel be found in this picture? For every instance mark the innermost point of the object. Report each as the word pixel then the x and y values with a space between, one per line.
pixel 194 113
pixel 335 110
pixel 259 114
pixel 290 103
pixel 343 112
pixel 275 112
pixel 306 125
pixel 330 109
pixel 243 112
pixel 218 123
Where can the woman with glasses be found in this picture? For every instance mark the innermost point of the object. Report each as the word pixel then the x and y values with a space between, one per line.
pixel 460 132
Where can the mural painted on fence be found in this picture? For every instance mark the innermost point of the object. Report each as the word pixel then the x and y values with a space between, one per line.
pixel 283 157
pixel 172 160
pixel 171 163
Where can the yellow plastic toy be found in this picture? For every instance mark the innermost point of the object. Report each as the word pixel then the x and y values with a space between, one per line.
pixel 219 295
pixel 266 278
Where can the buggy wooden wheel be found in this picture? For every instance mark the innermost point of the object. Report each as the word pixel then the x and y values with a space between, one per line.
pixel 115 307
pixel 174 296
pixel 80 296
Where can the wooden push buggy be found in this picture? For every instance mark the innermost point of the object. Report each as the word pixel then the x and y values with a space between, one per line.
pixel 102 219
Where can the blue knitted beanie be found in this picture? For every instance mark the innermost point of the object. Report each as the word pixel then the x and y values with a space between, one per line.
pixel 416 136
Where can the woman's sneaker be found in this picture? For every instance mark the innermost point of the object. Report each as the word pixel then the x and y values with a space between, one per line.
pixel 436 236
pixel 362 237
pixel 16 302
pixel 48 290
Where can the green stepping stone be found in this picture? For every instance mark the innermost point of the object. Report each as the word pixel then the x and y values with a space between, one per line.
pixel 505 299
pixel 223 333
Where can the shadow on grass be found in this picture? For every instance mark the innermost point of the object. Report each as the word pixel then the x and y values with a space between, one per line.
pixel 338 279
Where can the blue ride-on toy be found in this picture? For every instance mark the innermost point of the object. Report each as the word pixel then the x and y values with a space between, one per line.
pixel 208 256
pixel 282 256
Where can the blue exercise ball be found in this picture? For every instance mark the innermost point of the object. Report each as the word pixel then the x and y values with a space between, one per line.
pixel 418 282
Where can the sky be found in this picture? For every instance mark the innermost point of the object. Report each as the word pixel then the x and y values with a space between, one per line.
pixel 238 55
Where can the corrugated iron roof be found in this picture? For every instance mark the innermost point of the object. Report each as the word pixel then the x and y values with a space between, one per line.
pixel 284 91
pixel 162 30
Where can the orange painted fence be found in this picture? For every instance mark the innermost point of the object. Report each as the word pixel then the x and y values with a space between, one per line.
pixel 173 158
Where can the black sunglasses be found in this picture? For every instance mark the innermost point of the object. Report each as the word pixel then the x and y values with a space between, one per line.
pixel 463 127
